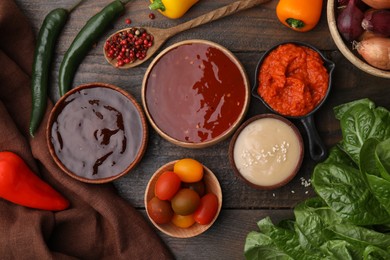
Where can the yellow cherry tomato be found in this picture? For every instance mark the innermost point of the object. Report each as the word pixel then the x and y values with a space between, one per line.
pixel 188 170
pixel 183 221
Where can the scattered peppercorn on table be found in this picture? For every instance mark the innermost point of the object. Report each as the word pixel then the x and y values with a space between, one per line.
pixel 247 34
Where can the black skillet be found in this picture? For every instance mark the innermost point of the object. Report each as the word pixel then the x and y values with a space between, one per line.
pixel 317 149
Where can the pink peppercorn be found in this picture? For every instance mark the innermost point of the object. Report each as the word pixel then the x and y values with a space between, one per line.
pixel 128 45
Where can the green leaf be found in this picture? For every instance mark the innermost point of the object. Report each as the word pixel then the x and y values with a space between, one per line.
pixel 312 217
pixel 337 155
pixel 344 189
pixel 360 236
pixel 375 253
pixel 259 246
pixel 340 249
pixel 287 241
pixel 368 160
pixel 381 190
pixel 359 121
pixel 339 111
pixel 382 153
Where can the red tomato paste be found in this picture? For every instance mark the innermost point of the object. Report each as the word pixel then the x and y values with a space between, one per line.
pixel 293 80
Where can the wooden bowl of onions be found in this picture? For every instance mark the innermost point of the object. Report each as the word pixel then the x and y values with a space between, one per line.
pixel 361 43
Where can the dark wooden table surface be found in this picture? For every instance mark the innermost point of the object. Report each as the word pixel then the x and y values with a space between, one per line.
pixel 247 34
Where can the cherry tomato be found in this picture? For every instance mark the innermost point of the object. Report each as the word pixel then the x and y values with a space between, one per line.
pixel 198 186
pixel 207 209
pixel 189 170
pixel 183 221
pixel 160 211
pixel 185 202
pixel 167 185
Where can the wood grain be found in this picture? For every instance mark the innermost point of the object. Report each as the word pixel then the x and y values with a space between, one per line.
pixel 248 34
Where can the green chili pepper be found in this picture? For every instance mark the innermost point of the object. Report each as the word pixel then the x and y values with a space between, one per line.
pixel 84 41
pixel 47 37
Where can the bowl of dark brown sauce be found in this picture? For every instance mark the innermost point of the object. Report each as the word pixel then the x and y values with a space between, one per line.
pixel 195 93
pixel 97 133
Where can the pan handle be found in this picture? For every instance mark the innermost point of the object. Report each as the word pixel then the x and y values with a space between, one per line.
pixel 317 148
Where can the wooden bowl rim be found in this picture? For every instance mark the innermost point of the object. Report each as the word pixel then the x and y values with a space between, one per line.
pixel 196 229
pixel 242 127
pixel 330 13
pixel 230 130
pixel 140 153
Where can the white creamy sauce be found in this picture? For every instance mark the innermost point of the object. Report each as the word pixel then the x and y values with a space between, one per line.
pixel 267 151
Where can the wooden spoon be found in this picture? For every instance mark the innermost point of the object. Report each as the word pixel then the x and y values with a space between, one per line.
pixel 161 35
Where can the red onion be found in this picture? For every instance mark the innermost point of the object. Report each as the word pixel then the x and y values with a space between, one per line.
pixel 349 21
pixel 377 21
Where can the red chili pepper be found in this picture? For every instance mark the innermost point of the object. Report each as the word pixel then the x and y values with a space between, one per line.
pixel 21 186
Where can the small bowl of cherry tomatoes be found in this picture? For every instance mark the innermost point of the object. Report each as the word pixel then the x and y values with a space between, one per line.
pixel 183 198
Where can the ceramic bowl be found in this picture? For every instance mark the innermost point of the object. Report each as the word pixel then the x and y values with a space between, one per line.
pixel 212 185
pixel 97 133
pixel 195 93
pixel 266 161
pixel 345 49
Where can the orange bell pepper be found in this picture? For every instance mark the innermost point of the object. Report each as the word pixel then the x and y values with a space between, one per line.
pixel 18 184
pixel 299 15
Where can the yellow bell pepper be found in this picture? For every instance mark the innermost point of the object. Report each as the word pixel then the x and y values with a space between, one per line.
pixel 172 8
pixel 299 15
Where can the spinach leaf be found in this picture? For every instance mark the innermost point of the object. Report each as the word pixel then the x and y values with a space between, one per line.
pixel 259 246
pixel 287 241
pixel 339 111
pixel 368 160
pixel 312 217
pixel 344 189
pixel 337 155
pixel 339 249
pixel 383 158
pixel 372 154
pixel 361 237
pixel 359 121
pixel 375 253
pixel 381 190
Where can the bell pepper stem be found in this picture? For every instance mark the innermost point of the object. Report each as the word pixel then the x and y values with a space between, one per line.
pixel 157 4
pixel 295 23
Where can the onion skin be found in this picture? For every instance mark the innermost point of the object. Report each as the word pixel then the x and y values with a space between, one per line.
pixel 375 51
pixel 377 21
pixel 349 21
pixel 378 4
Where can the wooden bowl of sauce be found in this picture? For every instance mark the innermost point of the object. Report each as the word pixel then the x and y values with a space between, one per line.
pixel 97 133
pixel 211 186
pixel 266 151
pixel 195 93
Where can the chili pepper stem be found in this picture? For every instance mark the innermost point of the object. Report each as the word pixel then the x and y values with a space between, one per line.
pixel 295 23
pixel 157 4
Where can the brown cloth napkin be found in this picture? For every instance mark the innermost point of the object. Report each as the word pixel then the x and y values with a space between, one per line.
pixel 99 224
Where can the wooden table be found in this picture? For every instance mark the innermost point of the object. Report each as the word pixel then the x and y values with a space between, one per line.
pixel 247 34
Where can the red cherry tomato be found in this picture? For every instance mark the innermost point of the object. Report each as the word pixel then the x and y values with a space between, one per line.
pixel 167 185
pixel 160 211
pixel 207 209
